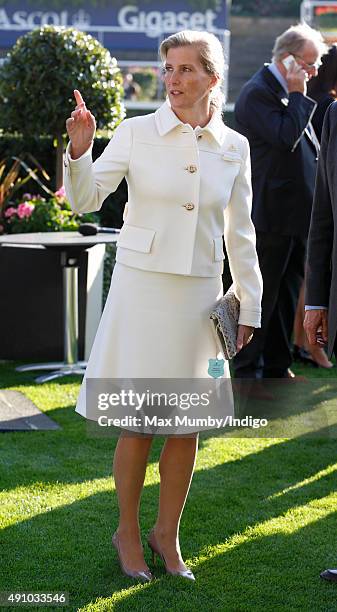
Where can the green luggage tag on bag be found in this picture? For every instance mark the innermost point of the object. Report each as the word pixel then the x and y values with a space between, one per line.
pixel 216 367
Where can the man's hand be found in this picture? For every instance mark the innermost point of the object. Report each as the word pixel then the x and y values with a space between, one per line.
pixel 245 334
pixel 296 78
pixel 316 326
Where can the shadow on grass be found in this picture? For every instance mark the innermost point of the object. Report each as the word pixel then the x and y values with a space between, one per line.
pixel 42 456
pixel 295 409
pixel 68 548
pixel 273 572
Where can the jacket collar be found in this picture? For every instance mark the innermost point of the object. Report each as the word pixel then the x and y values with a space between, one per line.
pixel 273 82
pixel 274 69
pixel 166 120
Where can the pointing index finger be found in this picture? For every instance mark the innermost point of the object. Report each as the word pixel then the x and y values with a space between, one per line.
pixel 78 97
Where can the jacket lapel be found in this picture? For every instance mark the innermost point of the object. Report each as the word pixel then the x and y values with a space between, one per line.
pixel 274 85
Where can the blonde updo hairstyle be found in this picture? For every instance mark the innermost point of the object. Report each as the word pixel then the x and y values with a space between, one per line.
pixel 210 53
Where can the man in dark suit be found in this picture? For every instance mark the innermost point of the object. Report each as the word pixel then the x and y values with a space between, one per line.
pixel 274 113
pixel 320 322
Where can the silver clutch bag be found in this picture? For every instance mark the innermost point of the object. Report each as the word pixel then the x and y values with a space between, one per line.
pixel 225 316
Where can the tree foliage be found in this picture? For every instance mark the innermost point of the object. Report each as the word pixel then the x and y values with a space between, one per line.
pixel 38 78
pixel 42 70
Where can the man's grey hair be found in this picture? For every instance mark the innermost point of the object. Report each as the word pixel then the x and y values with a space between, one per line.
pixel 293 40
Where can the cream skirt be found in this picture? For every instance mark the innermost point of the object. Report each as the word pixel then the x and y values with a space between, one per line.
pixel 154 325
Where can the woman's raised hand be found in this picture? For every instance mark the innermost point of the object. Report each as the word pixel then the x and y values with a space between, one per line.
pixel 81 127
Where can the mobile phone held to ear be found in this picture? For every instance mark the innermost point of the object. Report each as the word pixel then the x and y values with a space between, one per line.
pixel 289 61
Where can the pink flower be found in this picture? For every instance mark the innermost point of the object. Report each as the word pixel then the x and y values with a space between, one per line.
pixel 61 193
pixel 9 212
pixel 25 209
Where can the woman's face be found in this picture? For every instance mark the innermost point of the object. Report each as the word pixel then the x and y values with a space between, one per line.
pixel 187 83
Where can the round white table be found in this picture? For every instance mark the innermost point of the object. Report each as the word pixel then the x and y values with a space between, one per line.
pixel 70 245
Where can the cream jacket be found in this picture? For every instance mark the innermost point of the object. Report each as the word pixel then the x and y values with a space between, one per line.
pixel 187 188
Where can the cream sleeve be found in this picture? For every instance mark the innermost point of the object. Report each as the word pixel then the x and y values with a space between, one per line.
pixel 240 240
pixel 88 183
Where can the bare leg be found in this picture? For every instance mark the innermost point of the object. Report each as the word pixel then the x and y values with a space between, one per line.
pixel 176 467
pixel 129 467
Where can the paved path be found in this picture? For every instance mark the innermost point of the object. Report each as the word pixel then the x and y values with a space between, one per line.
pixel 18 413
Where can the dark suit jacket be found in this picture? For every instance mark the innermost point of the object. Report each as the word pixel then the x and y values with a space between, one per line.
pixel 283 157
pixel 323 103
pixel 321 281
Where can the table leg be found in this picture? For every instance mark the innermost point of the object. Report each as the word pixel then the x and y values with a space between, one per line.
pixel 70 365
pixel 70 313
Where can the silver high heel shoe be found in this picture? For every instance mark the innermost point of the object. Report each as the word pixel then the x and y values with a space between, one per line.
pixel 144 575
pixel 153 544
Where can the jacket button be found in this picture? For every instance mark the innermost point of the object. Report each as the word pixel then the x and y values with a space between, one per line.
pixel 65 163
pixel 192 168
pixel 189 206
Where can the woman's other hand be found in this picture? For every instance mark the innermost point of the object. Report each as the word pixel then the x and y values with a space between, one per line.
pixel 245 334
pixel 81 127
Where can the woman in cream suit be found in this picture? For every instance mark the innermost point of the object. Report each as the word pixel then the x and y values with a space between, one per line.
pixel 189 183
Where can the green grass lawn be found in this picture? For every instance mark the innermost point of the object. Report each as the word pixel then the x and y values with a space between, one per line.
pixel 258 527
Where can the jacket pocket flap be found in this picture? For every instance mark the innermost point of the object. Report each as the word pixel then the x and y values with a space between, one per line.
pixel 218 249
pixel 232 157
pixel 136 238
